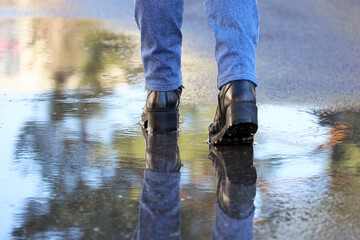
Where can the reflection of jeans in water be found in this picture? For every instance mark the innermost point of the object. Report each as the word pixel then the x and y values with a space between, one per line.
pixel 235 25
pixel 159 206
pixel 160 212
pixel 226 227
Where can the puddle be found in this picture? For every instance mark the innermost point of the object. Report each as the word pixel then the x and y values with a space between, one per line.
pixel 79 172
pixel 73 154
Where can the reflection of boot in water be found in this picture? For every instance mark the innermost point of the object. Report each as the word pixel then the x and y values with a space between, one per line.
pixel 236 189
pixel 162 151
pixel 159 210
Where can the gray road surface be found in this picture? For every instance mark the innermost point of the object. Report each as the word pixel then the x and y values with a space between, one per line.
pixel 308 53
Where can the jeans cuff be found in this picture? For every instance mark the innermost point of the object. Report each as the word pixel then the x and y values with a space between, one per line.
pixel 152 87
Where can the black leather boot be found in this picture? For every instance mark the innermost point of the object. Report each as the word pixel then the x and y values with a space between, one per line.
pixel 236 179
pixel 162 151
pixel 161 111
pixel 236 115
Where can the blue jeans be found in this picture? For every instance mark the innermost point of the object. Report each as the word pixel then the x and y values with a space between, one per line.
pixel 235 24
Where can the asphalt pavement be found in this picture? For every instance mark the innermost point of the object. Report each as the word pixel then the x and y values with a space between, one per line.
pixel 308 52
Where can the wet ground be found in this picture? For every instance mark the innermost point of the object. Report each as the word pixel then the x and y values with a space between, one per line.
pixel 73 154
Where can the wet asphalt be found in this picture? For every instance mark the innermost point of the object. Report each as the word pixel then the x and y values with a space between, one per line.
pixel 73 154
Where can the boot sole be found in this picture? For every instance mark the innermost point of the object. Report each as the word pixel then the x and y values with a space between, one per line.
pixel 240 127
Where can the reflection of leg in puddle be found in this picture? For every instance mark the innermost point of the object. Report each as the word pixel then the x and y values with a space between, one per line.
pixel 236 189
pixel 159 210
pixel 235 26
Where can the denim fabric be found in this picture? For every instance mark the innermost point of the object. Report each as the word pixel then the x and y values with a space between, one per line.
pixel 235 24
pixel 159 217
pixel 232 228
pixel 160 22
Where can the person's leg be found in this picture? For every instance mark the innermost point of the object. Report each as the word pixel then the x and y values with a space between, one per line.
pixel 159 22
pixel 235 24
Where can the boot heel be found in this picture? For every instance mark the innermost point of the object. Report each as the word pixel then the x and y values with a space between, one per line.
pixel 242 112
pixel 163 121
pixel 241 119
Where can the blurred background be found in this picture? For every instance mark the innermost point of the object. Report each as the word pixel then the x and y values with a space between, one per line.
pixel 71 94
